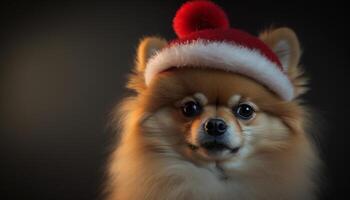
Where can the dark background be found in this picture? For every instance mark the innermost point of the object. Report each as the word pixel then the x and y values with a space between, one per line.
pixel 63 66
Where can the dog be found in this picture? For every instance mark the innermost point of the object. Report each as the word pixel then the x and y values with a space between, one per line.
pixel 199 132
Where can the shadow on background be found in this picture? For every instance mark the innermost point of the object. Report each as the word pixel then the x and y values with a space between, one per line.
pixel 64 65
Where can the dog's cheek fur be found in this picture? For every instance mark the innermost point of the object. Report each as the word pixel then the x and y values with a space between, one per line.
pixel 163 132
pixel 266 133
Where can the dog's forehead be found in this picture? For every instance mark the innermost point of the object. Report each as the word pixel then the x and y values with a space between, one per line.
pixel 232 101
pixel 203 99
pixel 216 86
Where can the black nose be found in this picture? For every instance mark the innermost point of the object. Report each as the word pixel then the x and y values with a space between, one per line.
pixel 215 127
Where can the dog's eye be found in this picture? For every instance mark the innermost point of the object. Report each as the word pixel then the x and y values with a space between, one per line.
pixel 191 109
pixel 244 111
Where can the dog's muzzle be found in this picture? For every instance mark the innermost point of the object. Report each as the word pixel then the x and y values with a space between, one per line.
pixel 215 136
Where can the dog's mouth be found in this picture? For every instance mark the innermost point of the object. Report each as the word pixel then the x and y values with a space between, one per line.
pixel 214 147
pixel 218 147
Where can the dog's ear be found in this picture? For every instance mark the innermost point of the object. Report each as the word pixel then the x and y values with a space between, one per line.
pixel 285 44
pixel 148 47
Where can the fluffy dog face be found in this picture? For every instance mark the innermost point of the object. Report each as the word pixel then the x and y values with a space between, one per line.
pixel 214 116
pixel 196 125
pixel 198 133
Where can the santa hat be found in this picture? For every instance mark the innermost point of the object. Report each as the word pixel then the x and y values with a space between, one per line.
pixel 206 40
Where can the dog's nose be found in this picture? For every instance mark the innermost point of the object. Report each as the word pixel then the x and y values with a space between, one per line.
pixel 215 127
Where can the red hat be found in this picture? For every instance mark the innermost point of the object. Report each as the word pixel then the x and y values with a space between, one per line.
pixel 206 40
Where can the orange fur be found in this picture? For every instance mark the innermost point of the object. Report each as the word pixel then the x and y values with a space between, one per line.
pixel 153 161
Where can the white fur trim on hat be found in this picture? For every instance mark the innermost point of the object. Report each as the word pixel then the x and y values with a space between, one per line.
pixel 225 56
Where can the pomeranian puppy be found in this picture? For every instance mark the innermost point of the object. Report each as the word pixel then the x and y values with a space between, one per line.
pixel 207 124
